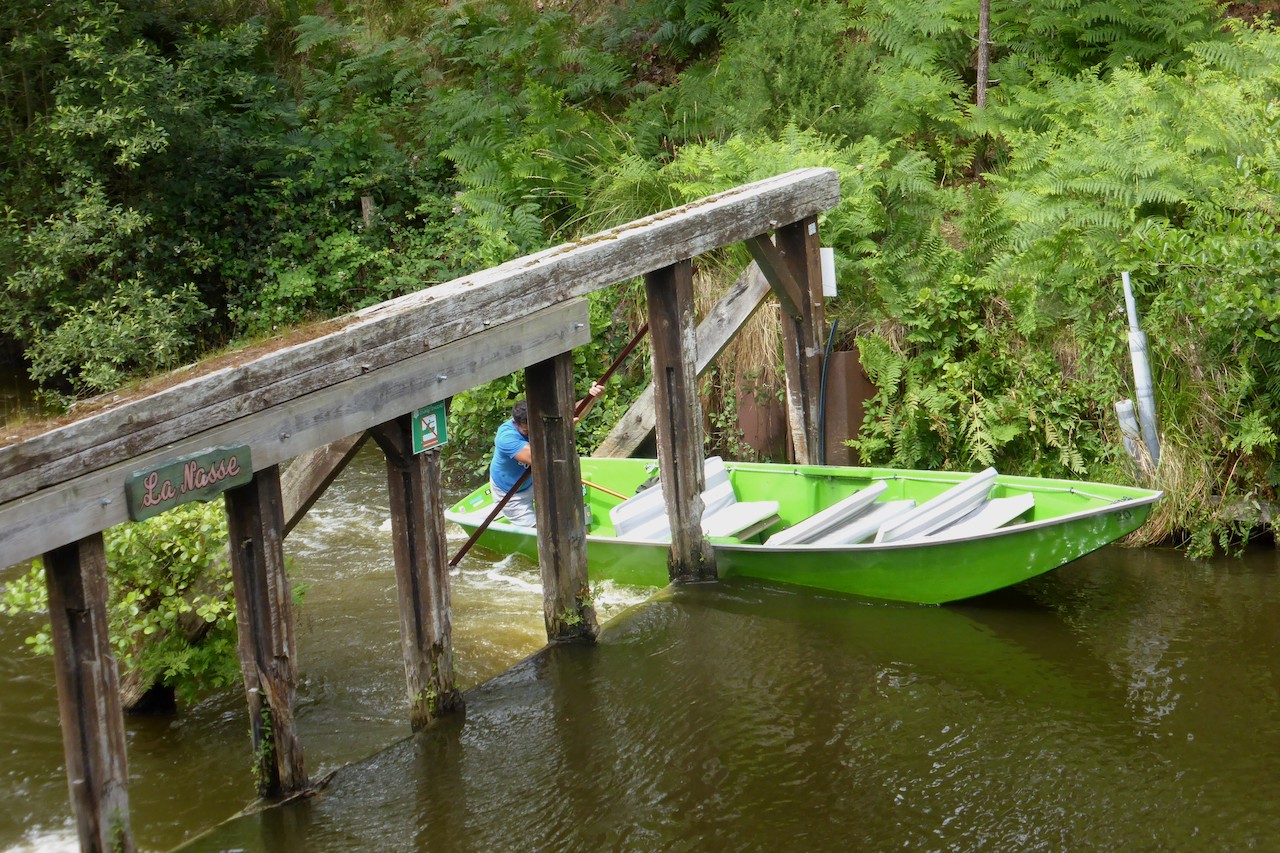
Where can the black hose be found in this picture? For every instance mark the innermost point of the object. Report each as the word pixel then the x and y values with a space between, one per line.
pixel 822 397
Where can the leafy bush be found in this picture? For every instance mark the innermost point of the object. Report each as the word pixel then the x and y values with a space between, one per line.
pixel 165 575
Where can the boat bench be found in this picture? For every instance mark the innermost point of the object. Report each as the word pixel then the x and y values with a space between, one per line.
pixel 644 516
pixel 992 514
pixel 866 525
pixel 962 510
pixel 940 511
pixel 828 520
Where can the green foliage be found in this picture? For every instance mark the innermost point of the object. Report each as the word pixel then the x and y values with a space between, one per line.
pixel 679 29
pixel 1071 36
pixel 164 574
pixel 180 178
pixel 795 63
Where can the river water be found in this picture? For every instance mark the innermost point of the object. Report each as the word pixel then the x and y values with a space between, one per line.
pixel 1128 701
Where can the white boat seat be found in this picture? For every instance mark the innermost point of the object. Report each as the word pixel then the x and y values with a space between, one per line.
pixel 865 526
pixel 991 515
pixel 741 519
pixel 644 516
pixel 936 513
pixel 826 521
pixel 639 510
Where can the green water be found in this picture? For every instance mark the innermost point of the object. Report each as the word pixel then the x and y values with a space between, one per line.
pixel 1130 701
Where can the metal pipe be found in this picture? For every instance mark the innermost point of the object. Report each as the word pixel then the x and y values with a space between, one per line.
pixel 1142 377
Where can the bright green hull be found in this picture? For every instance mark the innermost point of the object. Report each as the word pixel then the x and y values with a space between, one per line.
pixel 1069 519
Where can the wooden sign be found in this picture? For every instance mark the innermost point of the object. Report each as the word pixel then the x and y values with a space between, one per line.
pixel 429 430
pixel 198 477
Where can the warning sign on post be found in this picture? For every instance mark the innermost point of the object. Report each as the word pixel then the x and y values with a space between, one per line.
pixel 429 429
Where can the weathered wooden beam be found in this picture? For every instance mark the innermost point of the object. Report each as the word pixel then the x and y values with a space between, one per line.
pixel 88 695
pixel 312 473
pixel 422 572
pixel 94 502
pixel 777 271
pixel 738 305
pixel 798 245
pixel 669 293
pixel 264 623
pixel 557 502
pixel 402 328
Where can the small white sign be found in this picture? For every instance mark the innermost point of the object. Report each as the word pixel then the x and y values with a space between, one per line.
pixel 828 272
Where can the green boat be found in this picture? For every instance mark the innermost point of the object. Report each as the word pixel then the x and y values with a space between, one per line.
pixel 924 537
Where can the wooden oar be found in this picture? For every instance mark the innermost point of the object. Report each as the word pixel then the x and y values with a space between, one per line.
pixel 591 485
pixel 578 410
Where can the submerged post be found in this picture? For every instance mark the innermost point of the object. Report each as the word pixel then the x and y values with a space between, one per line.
pixel 422 572
pixel 678 418
pixel 264 622
pixel 88 694
pixel 557 501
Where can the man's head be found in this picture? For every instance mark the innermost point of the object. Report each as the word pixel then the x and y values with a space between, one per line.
pixel 520 416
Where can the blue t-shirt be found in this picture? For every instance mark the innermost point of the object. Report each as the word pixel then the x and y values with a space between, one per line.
pixel 504 470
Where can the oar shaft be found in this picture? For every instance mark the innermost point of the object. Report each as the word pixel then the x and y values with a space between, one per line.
pixel 599 488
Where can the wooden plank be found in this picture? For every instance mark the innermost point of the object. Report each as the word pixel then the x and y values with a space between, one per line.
pixel 401 328
pixel 264 623
pixel 94 502
pixel 738 305
pixel 669 293
pixel 88 694
pixel 422 573
pixel 779 275
pixel 802 338
pixel 557 502
pixel 310 474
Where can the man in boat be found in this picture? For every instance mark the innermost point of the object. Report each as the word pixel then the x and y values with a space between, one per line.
pixel 511 458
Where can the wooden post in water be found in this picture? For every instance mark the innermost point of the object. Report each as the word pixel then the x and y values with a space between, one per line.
pixel 264 619
pixel 422 572
pixel 678 418
pixel 557 501
pixel 88 694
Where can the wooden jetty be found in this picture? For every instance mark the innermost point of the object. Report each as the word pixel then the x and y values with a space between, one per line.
pixel 315 400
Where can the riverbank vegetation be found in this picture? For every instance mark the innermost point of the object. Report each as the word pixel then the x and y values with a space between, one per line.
pixel 188 177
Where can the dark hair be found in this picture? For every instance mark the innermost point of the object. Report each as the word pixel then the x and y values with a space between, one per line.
pixel 520 412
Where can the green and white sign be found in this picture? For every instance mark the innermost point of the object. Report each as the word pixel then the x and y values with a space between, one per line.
pixel 429 430
pixel 199 477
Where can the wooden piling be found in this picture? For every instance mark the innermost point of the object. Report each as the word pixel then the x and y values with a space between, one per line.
pixel 678 418
pixel 557 501
pixel 422 572
pixel 88 694
pixel 264 620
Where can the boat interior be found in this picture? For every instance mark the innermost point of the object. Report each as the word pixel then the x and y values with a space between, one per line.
pixel 964 509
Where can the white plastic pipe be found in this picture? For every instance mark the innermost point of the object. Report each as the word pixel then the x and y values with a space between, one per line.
pixel 1142 376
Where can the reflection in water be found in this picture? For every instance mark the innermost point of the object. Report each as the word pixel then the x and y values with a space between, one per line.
pixel 742 717
pixel 1128 701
